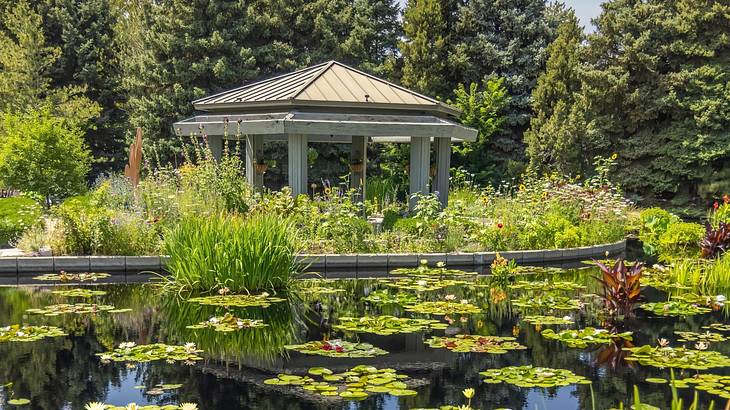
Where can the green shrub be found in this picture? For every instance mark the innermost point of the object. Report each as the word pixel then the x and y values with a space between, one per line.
pixel 680 240
pixel 654 222
pixel 347 234
pixel 243 254
pixel 390 217
pixel 86 227
pixel 16 216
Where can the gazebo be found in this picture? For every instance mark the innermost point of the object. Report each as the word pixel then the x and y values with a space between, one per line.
pixel 333 103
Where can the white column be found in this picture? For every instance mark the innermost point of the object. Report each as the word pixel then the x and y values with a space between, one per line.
pixel 298 164
pixel 358 153
pixel 443 164
pixel 254 154
pixel 215 143
pixel 419 166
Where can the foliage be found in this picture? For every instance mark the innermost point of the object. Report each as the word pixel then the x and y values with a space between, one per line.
pixel 386 325
pixel 707 337
pixel 42 154
pixel 541 320
pixel 675 308
pixel 227 323
pixel 130 352
pixel 27 333
pixel 243 254
pixel 76 308
pixel 263 300
pixel 680 240
pixel 384 297
pixel 423 270
pixel 355 384
pixel 710 383
pixel 678 357
pixel 79 293
pixel 503 269
pixel 443 307
pixel 545 285
pixel 621 287
pixel 551 302
pixel 475 344
pixel 528 376
pixel 654 223
pixel 72 277
pixel 581 338
pixel 337 348
pixel 716 241
pixel 17 215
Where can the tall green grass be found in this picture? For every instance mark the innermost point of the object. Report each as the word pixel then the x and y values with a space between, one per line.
pixel 243 254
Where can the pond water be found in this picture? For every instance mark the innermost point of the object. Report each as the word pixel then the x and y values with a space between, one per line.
pixel 65 372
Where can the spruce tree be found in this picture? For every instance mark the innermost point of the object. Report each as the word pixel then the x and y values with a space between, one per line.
pixel 557 128
pixel 657 90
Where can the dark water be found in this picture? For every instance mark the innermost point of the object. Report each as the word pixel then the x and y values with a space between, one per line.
pixel 64 373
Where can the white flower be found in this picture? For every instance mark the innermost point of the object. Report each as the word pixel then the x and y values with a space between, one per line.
pixel 464 301
pixel 95 406
pixel 239 323
pixel 701 346
pixel 170 349
pixel 189 347
pixel 265 295
pixel 213 320
pixel 127 345
pixel 720 299
pixel 132 406
pixel 105 358
pixel 188 406
pixel 422 283
pixel 19 333
pixel 5 329
pixel 450 297
pixel 567 318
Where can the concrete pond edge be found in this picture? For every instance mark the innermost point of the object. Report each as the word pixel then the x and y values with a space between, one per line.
pixel 41 264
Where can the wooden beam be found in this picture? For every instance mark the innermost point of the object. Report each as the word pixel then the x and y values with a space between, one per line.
pixel 298 166
pixel 419 166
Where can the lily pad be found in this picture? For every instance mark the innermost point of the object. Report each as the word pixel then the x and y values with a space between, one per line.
pixel 387 325
pixel 476 344
pixel 228 323
pixel 18 402
pixel 21 333
pixel 656 380
pixel 337 348
pixel 545 286
pixel 263 300
pixel 722 327
pixel 582 338
pixel 675 308
pixel 73 277
pixel 551 302
pixel 384 297
pixel 548 320
pixel 529 376
pixel 708 337
pixel 710 383
pixel 444 307
pixel 77 308
pixel 424 270
pixel 79 293
pixel 423 284
pixel 129 352
pixel 678 357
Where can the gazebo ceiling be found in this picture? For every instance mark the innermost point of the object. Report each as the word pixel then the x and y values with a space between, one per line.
pixel 330 85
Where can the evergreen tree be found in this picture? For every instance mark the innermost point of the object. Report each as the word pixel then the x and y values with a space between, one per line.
pixel 657 90
pixel 506 38
pixel 556 135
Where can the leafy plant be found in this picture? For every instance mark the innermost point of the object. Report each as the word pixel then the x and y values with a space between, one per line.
pixel 262 300
pixel 17 215
pixel 242 254
pixel 621 287
pixel 77 308
pixel 654 222
pixel 583 337
pixel 476 344
pixel 675 308
pixel 130 352
pixel 529 376
pixel 337 348
pixel 680 357
pixel 228 323
pixel 79 293
pixel 716 240
pixel 445 307
pixel 27 333
pixel 680 240
pixel 386 325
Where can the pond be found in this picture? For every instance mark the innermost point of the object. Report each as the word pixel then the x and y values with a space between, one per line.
pixel 238 366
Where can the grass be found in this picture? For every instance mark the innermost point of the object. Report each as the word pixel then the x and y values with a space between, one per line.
pixel 707 276
pixel 16 216
pixel 243 254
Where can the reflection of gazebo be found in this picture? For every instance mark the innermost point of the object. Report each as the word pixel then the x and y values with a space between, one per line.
pixel 331 102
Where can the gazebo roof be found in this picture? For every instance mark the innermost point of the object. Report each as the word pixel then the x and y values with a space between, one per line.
pixel 326 85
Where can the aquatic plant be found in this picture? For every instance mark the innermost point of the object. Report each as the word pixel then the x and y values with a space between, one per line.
pixel 621 287
pixel 159 388
pixel 72 277
pixel 79 293
pixel 77 308
pixel 130 352
pixel 468 393
pixel 552 302
pixel 261 300
pixel 529 376
pixel 27 333
pixel 134 406
pixel 679 357
pixel 546 285
pixel 387 325
pixel 443 307
pixel 476 344
pixel 316 287
pixel 711 383
pixel 707 337
pixel 675 308
pixel 355 384
pixel 384 297
pixel 548 320
pixel 503 269
pixel 227 323
pixel 716 240
pixel 337 348
pixel 581 338
pixel 723 327
pixel 242 254
pixel 422 284
pixel 424 270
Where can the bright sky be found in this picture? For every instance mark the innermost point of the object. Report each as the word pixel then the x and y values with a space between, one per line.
pixel 585 9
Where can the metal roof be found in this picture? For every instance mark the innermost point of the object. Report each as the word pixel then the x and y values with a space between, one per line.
pixel 330 84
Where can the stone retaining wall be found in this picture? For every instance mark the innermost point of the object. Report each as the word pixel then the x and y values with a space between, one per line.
pixel 39 264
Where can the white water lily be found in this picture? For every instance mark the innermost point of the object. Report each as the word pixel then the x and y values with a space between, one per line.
pixel 127 345
pixel 213 320
pixel 5 329
pixel 422 283
pixel 20 334
pixel 239 323
pixel 450 297
pixel 702 346
pixel 132 406
pixel 464 301
pixel 189 347
pixel 95 406
pixel 720 299
pixel 170 349
pixel 188 406
pixel 567 318
pixel 265 295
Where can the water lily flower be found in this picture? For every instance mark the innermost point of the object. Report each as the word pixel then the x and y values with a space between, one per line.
pixel 464 301
pixel 720 299
pixel 440 264
pixel 239 323
pixel 663 342
pixel 170 361
pixel 20 334
pixel 5 329
pixel 190 348
pixel 265 295
pixel 105 358
pixel 132 406
pixel 701 345
pixel 189 362
pixel 450 297
pixel 127 345
pixel 567 318
pixel 223 291
pixel 170 349
pixel 95 406
pixel 188 406
pixel 131 366
pixel 213 320
pixel 468 393
pixel 422 283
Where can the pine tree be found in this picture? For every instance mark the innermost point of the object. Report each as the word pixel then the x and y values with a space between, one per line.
pixel 657 88
pixel 506 38
pixel 556 135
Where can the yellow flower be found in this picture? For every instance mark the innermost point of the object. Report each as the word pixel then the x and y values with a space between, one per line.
pixel 522 187
pixel 577 177
pixel 614 156
pixel 468 393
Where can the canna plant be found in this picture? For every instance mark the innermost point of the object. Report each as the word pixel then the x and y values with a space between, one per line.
pixel 621 288
pixel 716 241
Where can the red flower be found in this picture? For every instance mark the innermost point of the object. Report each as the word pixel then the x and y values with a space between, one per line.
pixel 726 199
pixel 339 349
pixel 326 346
pixel 715 205
pixel 500 225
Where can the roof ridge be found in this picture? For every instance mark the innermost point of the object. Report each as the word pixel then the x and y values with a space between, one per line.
pixel 267 80
pixel 326 66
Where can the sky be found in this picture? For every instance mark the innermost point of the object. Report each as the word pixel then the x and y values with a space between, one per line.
pixel 584 9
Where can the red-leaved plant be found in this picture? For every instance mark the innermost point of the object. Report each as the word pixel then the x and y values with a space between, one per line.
pixel 716 241
pixel 621 287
